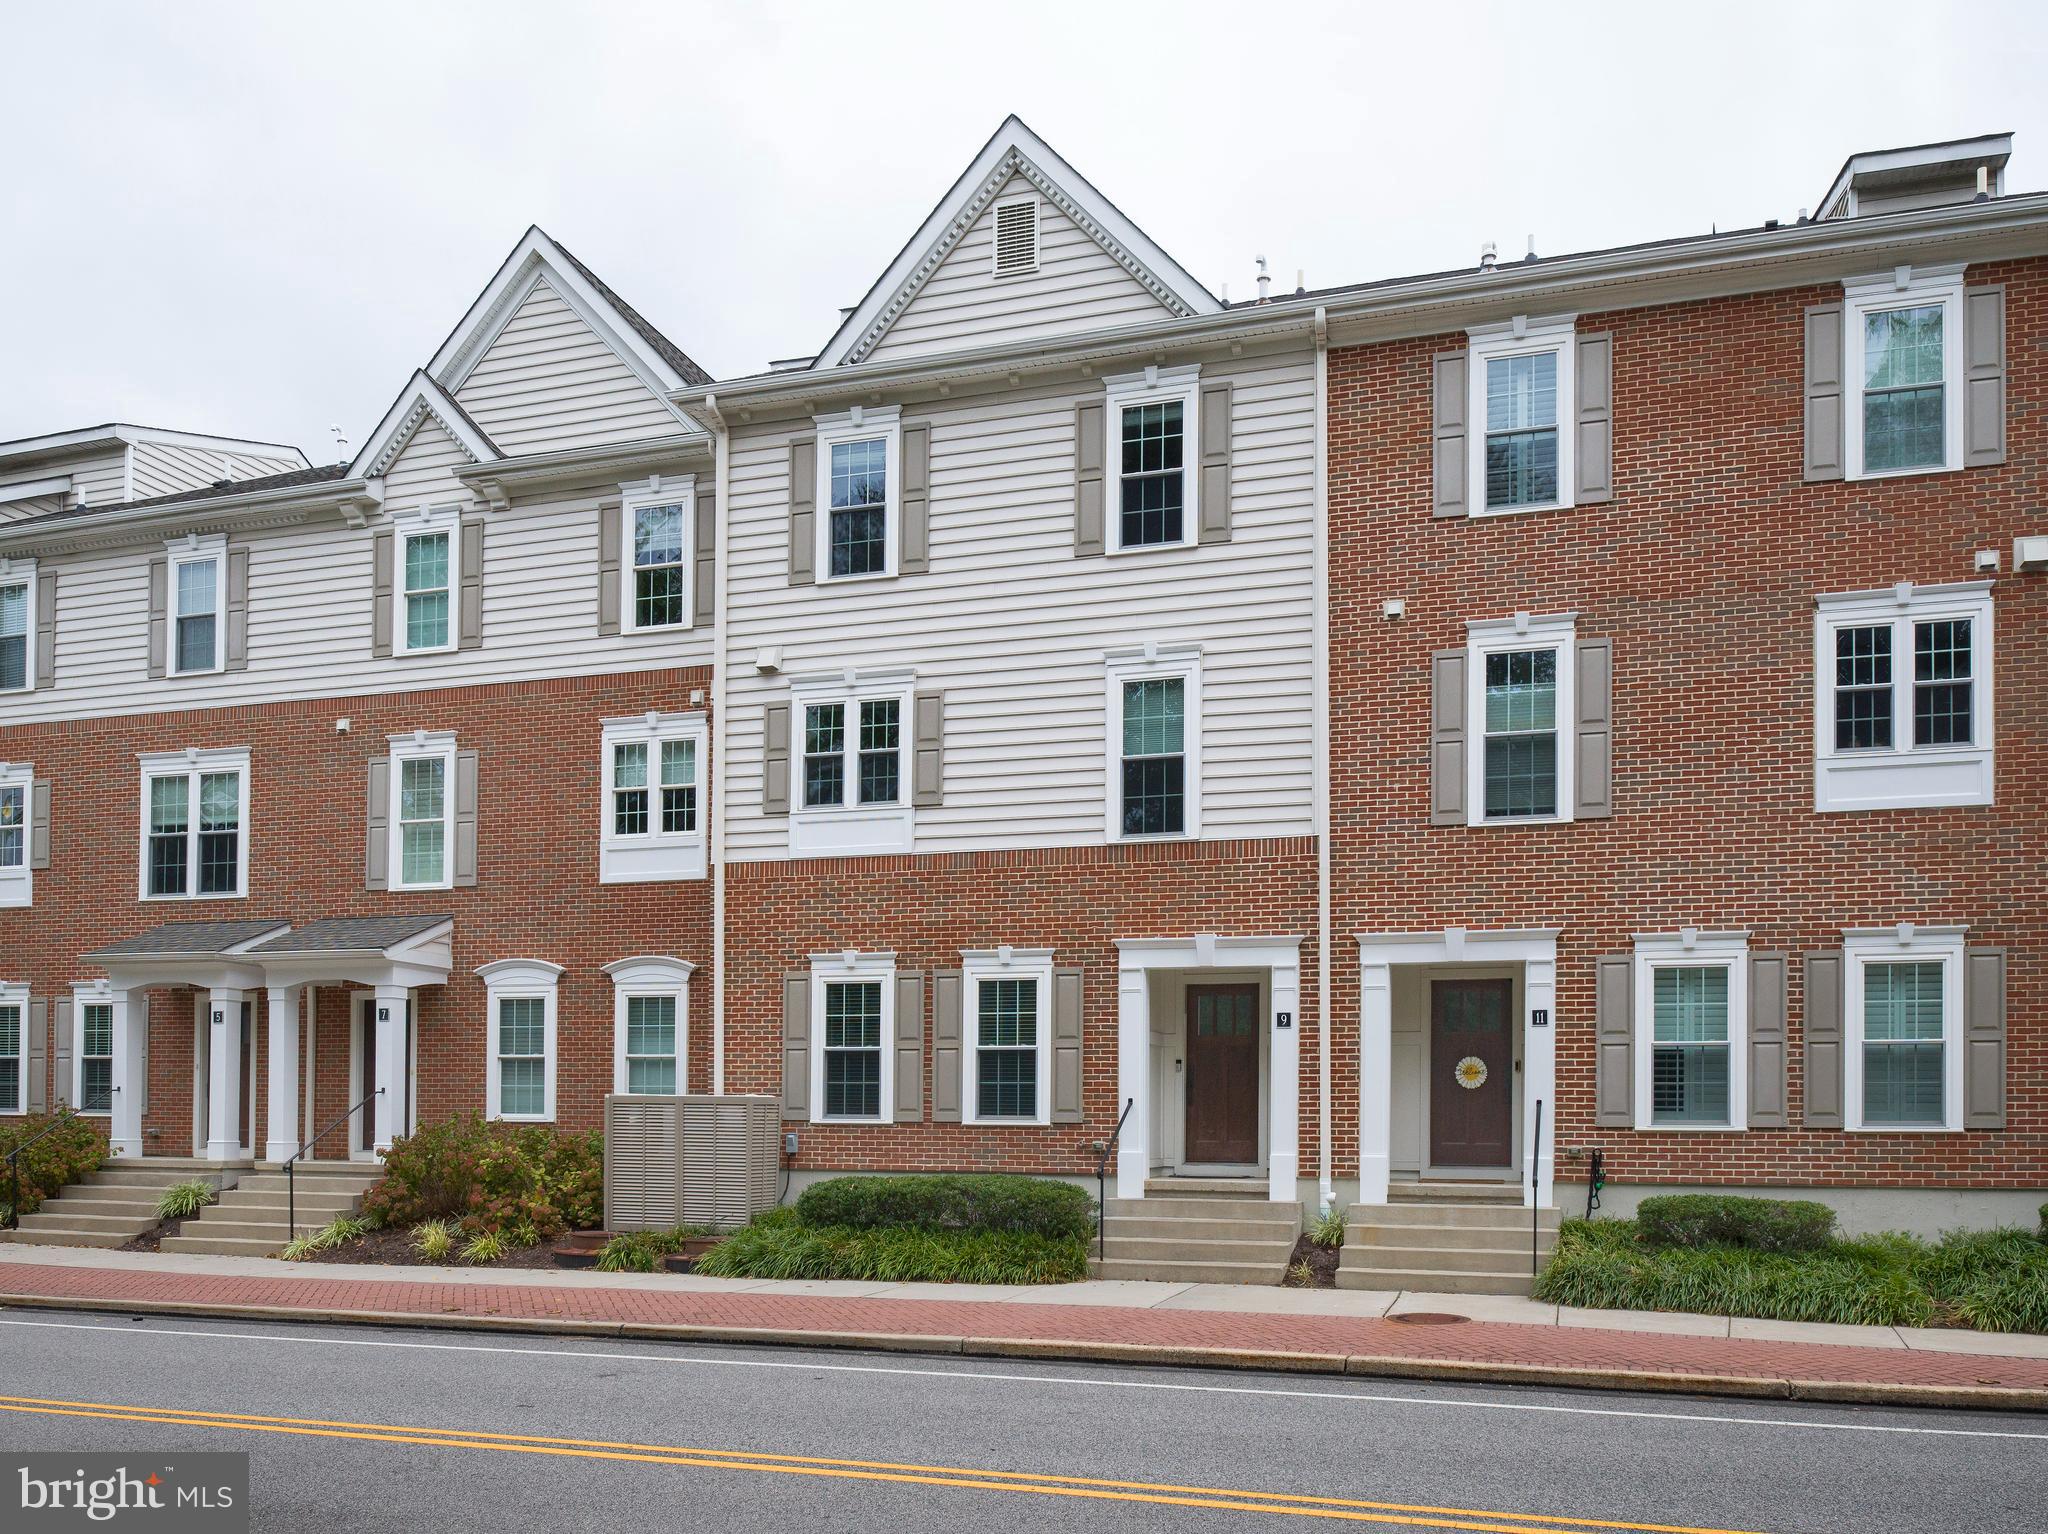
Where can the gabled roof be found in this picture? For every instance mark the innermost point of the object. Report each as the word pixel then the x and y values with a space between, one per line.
pixel 352 934
pixel 421 397
pixel 1013 150
pixel 200 939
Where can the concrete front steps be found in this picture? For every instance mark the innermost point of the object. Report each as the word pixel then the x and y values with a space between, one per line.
pixel 250 1219
pixel 114 1205
pixel 1206 1230
pixel 1446 1238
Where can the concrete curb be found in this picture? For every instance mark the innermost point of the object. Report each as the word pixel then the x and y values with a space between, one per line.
pixel 1455 1371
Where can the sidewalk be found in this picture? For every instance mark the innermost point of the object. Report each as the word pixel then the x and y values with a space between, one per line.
pixel 1320 1331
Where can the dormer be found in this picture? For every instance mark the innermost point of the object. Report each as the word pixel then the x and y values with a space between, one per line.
pixel 112 464
pixel 1920 176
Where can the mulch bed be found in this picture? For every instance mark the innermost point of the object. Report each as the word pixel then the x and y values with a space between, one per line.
pixel 393 1248
pixel 152 1240
pixel 1322 1259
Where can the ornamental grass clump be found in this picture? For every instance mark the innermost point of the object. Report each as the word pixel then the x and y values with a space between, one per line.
pixel 525 1182
pixel 1327 1229
pixel 182 1200
pixel 781 1245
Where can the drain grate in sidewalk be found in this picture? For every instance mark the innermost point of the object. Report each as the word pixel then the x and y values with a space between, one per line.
pixel 1428 1318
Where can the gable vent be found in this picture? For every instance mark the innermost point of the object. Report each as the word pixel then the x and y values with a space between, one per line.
pixel 1017 236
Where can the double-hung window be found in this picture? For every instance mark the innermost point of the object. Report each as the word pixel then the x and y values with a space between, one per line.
pixel 429 554
pixel 17 625
pixel 859 454
pixel 13 1049
pixel 1522 695
pixel 853 738
pixel 95 1057
pixel 197 572
pixel 650 1024
pixel 17 810
pixel 1154 764
pixel 195 816
pixel 1903 356
pixel 658 542
pixel 422 817
pixel 853 1011
pixel 1903 1011
pixel 1152 426
pixel 520 997
pixel 1009 1026
pixel 653 828
pixel 1904 697
pixel 1521 387
pixel 1692 1006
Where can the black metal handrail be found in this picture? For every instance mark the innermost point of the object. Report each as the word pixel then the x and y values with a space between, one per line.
pixel 1102 1177
pixel 1536 1193
pixel 291 1186
pixel 14 1166
pixel 1596 1179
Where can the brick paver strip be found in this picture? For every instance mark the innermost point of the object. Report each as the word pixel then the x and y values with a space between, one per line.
pixel 1478 1342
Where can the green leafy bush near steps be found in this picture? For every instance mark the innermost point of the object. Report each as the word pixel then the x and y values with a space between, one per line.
pixel 65 1155
pixel 985 1202
pixel 781 1244
pixel 182 1200
pixel 526 1182
pixel 1714 1219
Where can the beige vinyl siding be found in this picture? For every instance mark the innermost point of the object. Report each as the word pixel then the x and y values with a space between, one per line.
pixel 548 382
pixel 163 468
pixel 1078 286
pixel 100 481
pixel 30 506
pixel 1012 627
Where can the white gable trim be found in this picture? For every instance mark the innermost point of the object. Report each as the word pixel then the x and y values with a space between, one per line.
pixel 1014 151
pixel 422 398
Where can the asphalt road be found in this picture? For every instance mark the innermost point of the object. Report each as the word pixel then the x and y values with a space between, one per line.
pixel 366 1430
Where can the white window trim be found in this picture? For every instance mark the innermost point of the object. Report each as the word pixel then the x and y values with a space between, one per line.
pixel 406 526
pixel 1154 386
pixel 658 490
pixel 1911 944
pixel 653 855
pixel 852 828
pixel 995 221
pixel 1690 948
pixel 196 549
pixel 193 764
pixel 860 424
pixel 23 571
pixel 1522 337
pixel 93 993
pixel 1903 775
pixel 1148 663
pixel 14 993
pixel 1904 288
pixel 1005 963
pixel 517 980
pixel 18 884
pixel 1490 636
pixel 422 745
pixel 852 966
pixel 650 975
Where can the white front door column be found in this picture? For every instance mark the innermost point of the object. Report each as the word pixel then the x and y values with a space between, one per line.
pixel 1133 1079
pixel 281 1099
pixel 131 1025
pixel 1375 1080
pixel 1539 1077
pixel 224 1075
pixel 387 1015
pixel 1283 1069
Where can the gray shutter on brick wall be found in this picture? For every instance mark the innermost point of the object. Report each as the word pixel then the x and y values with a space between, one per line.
pixel 159 611
pixel 1066 1046
pixel 796 1045
pixel 1614 1042
pixel 803 511
pixel 1593 764
pixel 38 1057
pixel 469 633
pixel 775 760
pixel 235 652
pixel 1822 1052
pixel 1824 392
pixel 1984 1048
pixel 1447 738
pixel 910 1047
pixel 60 1055
pixel 464 873
pixel 1767 1041
pixel 1089 488
pixel 1447 433
pixel 377 827
pixel 46 628
pixel 704 558
pixel 382 555
pixel 1983 376
pixel 948 1046
pixel 1214 497
pixel 39 823
pixel 915 511
pixel 1593 448
pixel 611 537
pixel 928 760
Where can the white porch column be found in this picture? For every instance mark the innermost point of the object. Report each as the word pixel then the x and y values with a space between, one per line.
pixel 124 1126
pixel 224 1075
pixel 1375 1079
pixel 311 996
pixel 281 1101
pixel 1133 1078
pixel 1283 1112
pixel 388 1018
pixel 1539 1070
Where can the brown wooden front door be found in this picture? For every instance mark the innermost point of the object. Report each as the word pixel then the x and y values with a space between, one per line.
pixel 1472 1072
pixel 1223 1075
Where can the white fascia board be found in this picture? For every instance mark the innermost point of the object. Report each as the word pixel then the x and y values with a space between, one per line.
pixel 29 489
pixel 420 398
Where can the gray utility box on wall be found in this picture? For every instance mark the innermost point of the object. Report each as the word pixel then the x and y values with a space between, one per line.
pixel 693 1160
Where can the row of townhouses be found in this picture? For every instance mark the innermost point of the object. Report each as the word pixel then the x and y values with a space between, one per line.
pixel 1403 733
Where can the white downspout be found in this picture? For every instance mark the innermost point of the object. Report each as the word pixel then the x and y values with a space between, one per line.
pixel 1326 1188
pixel 721 459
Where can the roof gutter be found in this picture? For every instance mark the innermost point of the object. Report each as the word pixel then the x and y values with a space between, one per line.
pixel 498 481
pixel 353 498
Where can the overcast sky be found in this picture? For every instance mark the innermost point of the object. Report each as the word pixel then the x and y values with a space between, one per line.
pixel 257 220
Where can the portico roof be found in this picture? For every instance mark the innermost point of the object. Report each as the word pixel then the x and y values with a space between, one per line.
pixel 400 951
pixel 190 940
pixel 335 935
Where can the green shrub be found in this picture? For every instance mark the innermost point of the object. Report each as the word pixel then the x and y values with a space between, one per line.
pixel 488 1246
pixel 65 1155
pixel 515 1179
pixel 978 1202
pixel 638 1251
pixel 781 1244
pixel 182 1200
pixel 1327 1229
pixel 434 1240
pixel 2044 1224
pixel 1994 1280
pixel 1715 1219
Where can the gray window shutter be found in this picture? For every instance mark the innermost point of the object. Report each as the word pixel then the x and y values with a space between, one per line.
pixel 470 612
pixel 61 1085
pixel 381 566
pixel 1983 376
pixel 1614 1042
pixel 159 610
pixel 611 536
pixel 704 556
pixel 914 556
pixel 948 1046
pixel 1984 1038
pixel 796 1045
pixel 1593 798
pixel 39 823
pixel 46 628
pixel 803 511
pixel 1215 486
pixel 38 1057
pixel 1447 738
pixel 910 1047
pixel 1593 451
pixel 1824 392
pixel 775 760
pixel 1066 1046
pixel 928 765
pixel 1767 1041
pixel 465 818
pixel 1447 433
pixel 377 827
pixel 236 650
pixel 1088 477
pixel 1824 1040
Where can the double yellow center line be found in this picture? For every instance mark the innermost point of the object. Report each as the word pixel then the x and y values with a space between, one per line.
pixel 1283 1504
